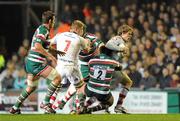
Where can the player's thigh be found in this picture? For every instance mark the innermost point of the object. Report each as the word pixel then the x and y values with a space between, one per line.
pixel 63 71
pixel 76 77
pixel 50 73
pixel 34 68
pixel 122 77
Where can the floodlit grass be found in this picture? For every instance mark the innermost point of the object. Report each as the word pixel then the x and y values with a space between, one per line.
pixel 97 117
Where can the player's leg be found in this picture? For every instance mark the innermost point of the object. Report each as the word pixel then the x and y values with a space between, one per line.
pixel 32 76
pixel 69 93
pixel 51 74
pixel 105 101
pixel 80 95
pixel 31 86
pixel 54 96
pixel 126 84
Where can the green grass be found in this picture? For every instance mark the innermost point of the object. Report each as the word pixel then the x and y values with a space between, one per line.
pixel 104 117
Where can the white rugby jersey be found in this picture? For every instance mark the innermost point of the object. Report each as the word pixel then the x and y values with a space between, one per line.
pixel 71 44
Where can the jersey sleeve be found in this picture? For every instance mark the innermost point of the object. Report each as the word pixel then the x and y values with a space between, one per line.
pixel 115 43
pixel 41 35
pixel 85 44
pixel 98 42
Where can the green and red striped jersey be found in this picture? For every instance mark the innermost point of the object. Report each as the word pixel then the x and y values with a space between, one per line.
pixel 101 69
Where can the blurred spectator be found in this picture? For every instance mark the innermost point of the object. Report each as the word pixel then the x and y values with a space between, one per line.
pixel 87 11
pixel 2 62
pixel 175 82
pixel 97 13
pixel 22 52
pixel 20 80
pixel 26 44
pixel 76 12
pixel 148 81
pixel 165 79
pixel 66 15
pixel 174 34
pixel 175 58
pixel 7 76
pixel 134 75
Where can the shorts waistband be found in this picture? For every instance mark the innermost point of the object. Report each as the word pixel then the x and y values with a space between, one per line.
pixel 69 61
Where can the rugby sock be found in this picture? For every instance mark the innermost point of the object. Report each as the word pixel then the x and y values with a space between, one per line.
pixel 21 98
pixel 54 96
pixel 122 95
pixel 70 92
pixel 50 91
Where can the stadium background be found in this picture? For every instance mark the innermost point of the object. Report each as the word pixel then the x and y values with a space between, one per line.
pixel 154 64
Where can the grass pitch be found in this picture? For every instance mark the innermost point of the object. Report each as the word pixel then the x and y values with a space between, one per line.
pixel 97 117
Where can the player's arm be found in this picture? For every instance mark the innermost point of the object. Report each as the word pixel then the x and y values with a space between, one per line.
pixel 55 51
pixel 100 44
pixel 39 48
pixel 124 51
pixel 117 44
pixel 86 45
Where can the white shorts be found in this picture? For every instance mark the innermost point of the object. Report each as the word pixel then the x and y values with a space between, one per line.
pixel 69 71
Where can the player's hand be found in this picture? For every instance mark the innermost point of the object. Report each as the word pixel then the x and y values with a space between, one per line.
pixel 125 51
pixel 52 60
pixel 60 53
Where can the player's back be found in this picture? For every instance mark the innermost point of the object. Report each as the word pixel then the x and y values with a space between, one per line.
pixel 70 43
pixel 101 69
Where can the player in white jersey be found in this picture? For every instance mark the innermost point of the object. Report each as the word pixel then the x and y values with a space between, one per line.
pixel 71 43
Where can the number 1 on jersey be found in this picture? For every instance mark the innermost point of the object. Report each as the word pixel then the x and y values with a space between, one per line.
pixel 68 42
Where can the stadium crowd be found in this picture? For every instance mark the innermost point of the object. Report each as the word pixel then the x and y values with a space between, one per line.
pixel 154 60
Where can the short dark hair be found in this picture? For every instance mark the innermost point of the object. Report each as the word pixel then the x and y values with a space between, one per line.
pixel 47 15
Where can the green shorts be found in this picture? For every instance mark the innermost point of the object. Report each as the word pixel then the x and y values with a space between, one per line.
pixel 34 67
pixel 100 97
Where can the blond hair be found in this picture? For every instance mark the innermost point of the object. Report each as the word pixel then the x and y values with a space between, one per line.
pixel 124 29
pixel 76 24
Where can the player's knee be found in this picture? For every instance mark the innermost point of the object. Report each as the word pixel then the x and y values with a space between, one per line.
pixel 54 76
pixel 129 83
pixel 31 85
pixel 79 84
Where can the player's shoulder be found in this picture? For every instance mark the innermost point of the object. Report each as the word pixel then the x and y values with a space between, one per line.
pixel 42 30
pixel 117 38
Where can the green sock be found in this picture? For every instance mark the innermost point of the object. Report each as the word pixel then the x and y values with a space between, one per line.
pixel 21 98
pixel 50 91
